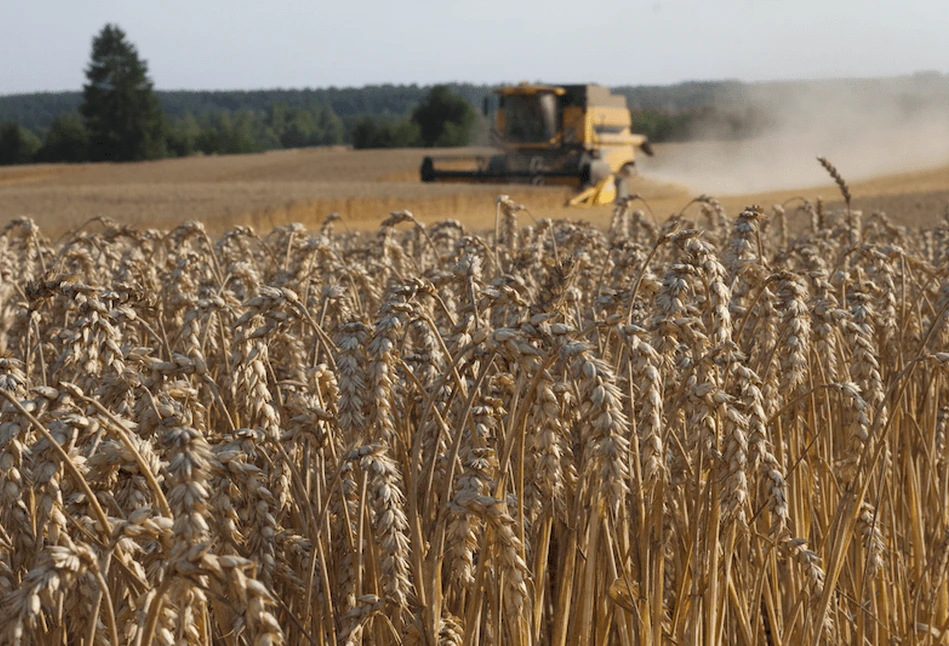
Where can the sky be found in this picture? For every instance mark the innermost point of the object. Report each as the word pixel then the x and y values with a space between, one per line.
pixel 236 44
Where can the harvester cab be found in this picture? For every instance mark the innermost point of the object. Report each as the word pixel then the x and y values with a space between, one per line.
pixel 575 135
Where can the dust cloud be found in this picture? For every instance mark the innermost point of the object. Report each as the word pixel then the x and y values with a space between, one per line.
pixel 866 128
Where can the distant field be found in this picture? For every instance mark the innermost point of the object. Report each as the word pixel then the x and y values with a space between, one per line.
pixel 363 186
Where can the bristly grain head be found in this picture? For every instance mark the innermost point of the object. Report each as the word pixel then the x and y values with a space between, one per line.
pixel 435 436
pixel 838 178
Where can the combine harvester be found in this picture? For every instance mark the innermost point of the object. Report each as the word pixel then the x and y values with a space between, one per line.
pixel 574 135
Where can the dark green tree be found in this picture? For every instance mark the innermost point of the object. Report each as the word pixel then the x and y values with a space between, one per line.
pixel 119 106
pixel 181 136
pixel 277 116
pixel 240 136
pixel 383 132
pixel 17 145
pixel 445 118
pixel 228 134
pixel 300 130
pixel 66 141
pixel 330 124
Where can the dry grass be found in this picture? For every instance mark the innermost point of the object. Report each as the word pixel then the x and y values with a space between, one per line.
pixel 731 430
pixel 305 186
pixel 260 190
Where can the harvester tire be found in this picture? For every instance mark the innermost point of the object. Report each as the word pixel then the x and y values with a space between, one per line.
pixel 596 172
pixel 427 170
pixel 497 166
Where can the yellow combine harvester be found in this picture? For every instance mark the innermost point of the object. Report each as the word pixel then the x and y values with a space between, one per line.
pixel 576 135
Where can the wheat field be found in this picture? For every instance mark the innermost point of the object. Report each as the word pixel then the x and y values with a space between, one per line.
pixel 362 186
pixel 724 428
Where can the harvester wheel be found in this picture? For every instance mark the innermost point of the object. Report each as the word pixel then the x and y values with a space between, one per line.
pixel 427 170
pixel 497 166
pixel 626 172
pixel 596 172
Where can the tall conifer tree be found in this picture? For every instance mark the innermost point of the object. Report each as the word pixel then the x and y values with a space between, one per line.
pixel 119 106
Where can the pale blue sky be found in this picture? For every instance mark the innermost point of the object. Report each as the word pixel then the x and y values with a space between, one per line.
pixel 230 44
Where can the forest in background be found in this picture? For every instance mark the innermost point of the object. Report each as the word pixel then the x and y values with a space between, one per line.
pixel 237 121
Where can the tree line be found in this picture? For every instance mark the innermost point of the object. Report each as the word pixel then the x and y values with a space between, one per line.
pixel 36 111
pixel 372 116
pixel 119 116
pixel 78 126
pixel 67 139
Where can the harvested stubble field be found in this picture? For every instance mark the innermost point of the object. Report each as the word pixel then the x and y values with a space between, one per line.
pixel 276 188
pixel 713 432
pixel 261 190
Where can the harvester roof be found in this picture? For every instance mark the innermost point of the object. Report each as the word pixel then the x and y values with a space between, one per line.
pixel 578 95
pixel 529 88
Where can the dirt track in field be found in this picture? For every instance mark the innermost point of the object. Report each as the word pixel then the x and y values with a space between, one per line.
pixel 364 186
